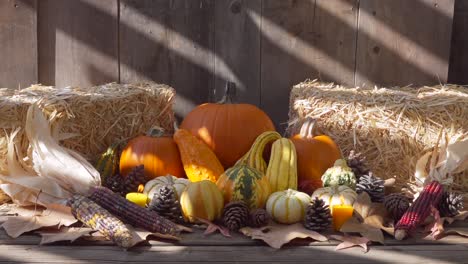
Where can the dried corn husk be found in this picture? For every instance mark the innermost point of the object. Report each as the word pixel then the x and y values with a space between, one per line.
pixel 392 127
pixel 58 172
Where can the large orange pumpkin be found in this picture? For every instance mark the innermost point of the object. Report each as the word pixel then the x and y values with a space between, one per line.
pixel 228 129
pixel 156 151
pixel 315 154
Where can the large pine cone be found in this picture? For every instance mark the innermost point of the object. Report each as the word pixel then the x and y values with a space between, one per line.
pixel 166 204
pixel 318 216
pixel 134 179
pixel 235 215
pixel 357 162
pixel 450 205
pixel 396 204
pixel 373 186
pixel 115 183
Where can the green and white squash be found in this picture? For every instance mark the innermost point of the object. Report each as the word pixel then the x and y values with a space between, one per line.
pixel 287 207
pixel 336 195
pixel 178 184
pixel 339 174
pixel 244 183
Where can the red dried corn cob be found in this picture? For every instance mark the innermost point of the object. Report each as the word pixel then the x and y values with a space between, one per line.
pixel 419 210
pixel 98 218
pixel 131 213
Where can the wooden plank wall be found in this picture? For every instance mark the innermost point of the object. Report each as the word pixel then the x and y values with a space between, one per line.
pixel 18 43
pixel 265 46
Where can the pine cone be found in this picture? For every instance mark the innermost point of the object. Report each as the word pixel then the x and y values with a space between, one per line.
pixel 115 183
pixel 450 204
pixel 357 162
pixel 258 218
pixel 396 205
pixel 235 215
pixel 134 179
pixel 166 204
pixel 373 186
pixel 318 216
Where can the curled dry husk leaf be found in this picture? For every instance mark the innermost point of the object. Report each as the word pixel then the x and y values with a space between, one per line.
pixel 57 172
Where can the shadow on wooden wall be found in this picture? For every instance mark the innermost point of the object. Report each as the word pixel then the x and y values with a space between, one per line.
pixel 265 46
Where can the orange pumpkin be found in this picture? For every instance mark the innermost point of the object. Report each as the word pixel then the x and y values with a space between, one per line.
pixel 228 129
pixel 315 154
pixel 156 151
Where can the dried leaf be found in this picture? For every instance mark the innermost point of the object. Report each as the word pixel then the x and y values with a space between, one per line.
pixel 277 235
pixel 29 219
pixel 437 227
pixel 369 219
pixel 212 227
pixel 462 231
pixel 140 235
pixel 351 241
pixel 460 217
pixel 64 234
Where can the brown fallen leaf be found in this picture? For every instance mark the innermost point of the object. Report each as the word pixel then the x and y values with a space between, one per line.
pixel 277 235
pixel 460 217
pixel 29 219
pixel 351 241
pixel 369 219
pixel 64 234
pixel 212 227
pixel 438 229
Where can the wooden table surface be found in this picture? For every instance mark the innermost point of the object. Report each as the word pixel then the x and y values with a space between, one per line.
pixel 195 247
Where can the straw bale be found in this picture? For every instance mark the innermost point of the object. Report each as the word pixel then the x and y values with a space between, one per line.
pixel 89 119
pixel 391 126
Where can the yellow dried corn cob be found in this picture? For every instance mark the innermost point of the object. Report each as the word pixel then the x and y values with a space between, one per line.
pixel 133 214
pixel 98 218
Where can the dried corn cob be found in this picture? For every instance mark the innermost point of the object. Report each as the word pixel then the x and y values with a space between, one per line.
pixel 419 210
pixel 133 214
pixel 98 218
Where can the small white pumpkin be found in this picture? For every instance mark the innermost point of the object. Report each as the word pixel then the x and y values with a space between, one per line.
pixel 336 195
pixel 287 207
pixel 152 186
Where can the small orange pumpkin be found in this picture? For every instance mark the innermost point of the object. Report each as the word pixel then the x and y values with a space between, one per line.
pixel 228 129
pixel 315 154
pixel 156 151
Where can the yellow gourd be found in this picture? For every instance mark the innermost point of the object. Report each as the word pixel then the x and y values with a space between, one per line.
pixel 282 168
pixel 199 161
pixel 254 157
pixel 201 199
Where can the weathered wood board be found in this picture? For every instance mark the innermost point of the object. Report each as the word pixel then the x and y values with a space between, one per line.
pixel 403 42
pixel 18 43
pixel 237 49
pixel 78 42
pixel 297 44
pixel 458 70
pixel 170 42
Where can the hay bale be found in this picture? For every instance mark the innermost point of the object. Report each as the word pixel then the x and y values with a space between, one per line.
pixel 90 118
pixel 391 126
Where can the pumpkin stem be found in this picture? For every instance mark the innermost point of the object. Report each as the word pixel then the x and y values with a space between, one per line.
pixel 155 131
pixel 310 128
pixel 229 93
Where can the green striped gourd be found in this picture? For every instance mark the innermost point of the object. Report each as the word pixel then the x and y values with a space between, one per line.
pixel 339 174
pixel 108 162
pixel 287 207
pixel 254 157
pixel 282 168
pixel 244 183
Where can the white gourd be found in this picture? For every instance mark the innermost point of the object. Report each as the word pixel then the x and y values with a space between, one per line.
pixel 287 207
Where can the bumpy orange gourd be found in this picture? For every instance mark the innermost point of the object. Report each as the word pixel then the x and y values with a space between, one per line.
pixel 156 151
pixel 228 129
pixel 315 154
pixel 200 163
